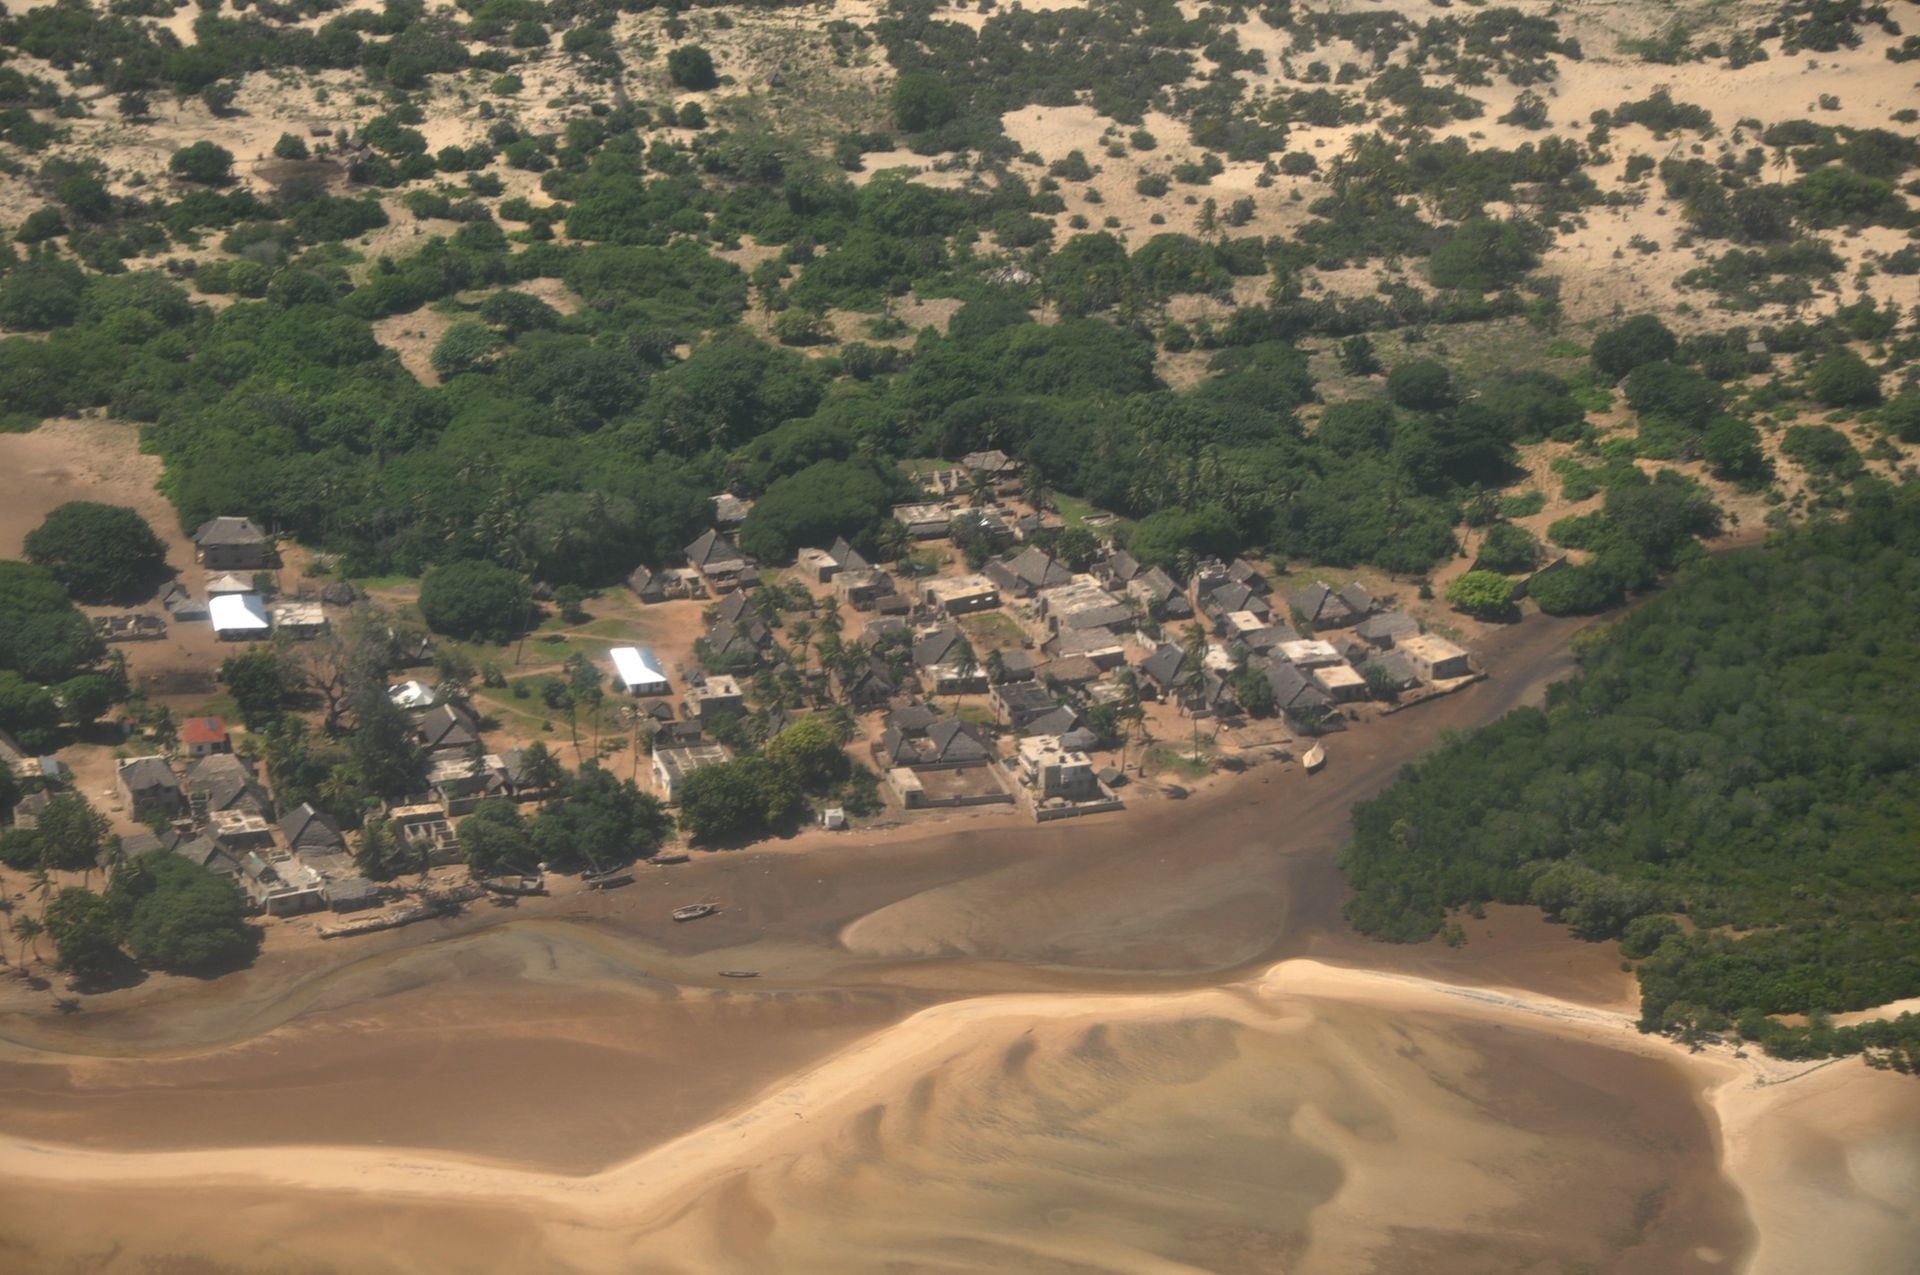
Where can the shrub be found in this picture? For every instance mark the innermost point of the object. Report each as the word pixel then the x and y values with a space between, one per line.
pixel 202 162
pixel 1508 549
pixel 474 600
pixel 1483 255
pixel 290 146
pixel 691 67
pixel 1843 379
pixel 102 553
pixel 1821 449
pixel 464 347
pixel 923 102
pixel 1642 339
pixel 1423 385
pixel 1486 594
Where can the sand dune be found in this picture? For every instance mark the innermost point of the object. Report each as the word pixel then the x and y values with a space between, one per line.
pixel 1310 1118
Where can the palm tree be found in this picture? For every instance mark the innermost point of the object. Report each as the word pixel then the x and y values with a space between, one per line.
pixel 1193 676
pixel 966 667
pixel 800 634
pixel 540 770
pixel 28 930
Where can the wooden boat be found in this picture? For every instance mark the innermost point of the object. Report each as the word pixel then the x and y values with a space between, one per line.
pixel 668 860
pixel 514 884
pixel 391 921
pixel 1315 758
pixel 739 973
pixel 694 911
pixel 609 879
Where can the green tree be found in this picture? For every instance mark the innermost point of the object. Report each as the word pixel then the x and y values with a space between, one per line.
pixel 808 751
pixel 1641 339
pixel 1508 549
pixel 691 67
pixel 385 753
pixel 1357 357
pixel 81 926
pixel 1843 379
pixel 177 916
pixel 923 102
pixel 1485 594
pixel 377 856
pixel 474 599
pixel 202 162
pixel 738 797
pixel 1482 255
pixel 1423 385
pixel 73 835
pixel 494 839
pixel 290 146
pixel 260 681
pixel 102 553
pixel 464 347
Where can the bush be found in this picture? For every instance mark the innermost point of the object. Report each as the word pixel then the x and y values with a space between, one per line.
pixel 923 102
pixel 1423 385
pixel 1642 339
pixel 1731 447
pixel 1821 449
pixel 474 600
pixel 290 146
pixel 1485 594
pixel 202 162
pixel 691 67
pixel 1843 379
pixel 465 346
pixel 101 553
pixel 1508 549
pixel 1901 416
pixel 1483 255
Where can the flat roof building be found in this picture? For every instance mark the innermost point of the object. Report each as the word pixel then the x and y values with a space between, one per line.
pixel 237 617
pixel 671 766
pixel 639 670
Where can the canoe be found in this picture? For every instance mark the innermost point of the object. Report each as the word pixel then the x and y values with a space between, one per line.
pixel 1316 758
pixel 667 860
pixel 739 973
pixel 694 911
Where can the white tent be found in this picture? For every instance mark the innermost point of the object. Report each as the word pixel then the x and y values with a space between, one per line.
pixel 238 615
pixel 639 672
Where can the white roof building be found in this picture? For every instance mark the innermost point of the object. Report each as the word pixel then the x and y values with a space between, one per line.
pixel 639 670
pixel 238 615
pixel 412 694
pixel 1310 653
pixel 229 583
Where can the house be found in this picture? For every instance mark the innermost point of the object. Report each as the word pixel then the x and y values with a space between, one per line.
pixel 647 585
pixel 1310 653
pixel 1359 600
pixel 672 765
pixel 847 557
pixel 228 583
pixel 308 829
pixel 1083 604
pixel 1319 607
pixel 1119 569
pixel 231 544
pixel 1383 630
pixel 1064 721
pixel 1397 666
pixel 283 889
pixel 1072 670
pixel 26 811
pixel 342 888
pixel 203 852
pixel 1100 647
pixel 862 588
pixel 817 565
pixel 461 782
pixel 1055 771
pixel 1028 572
pixel 1266 637
pixel 910 719
pixel 221 781
pixel 717 559
pixel 1340 683
pixel 638 670
pixel 729 510
pixel 948 744
pixel 1303 703
pixel 960 595
pixel 299 619
pixel 741 644
pixel 203 736
pixel 991 464
pixel 735 608
pixel 718 694
pixel 445 728
pixel 412 695
pixel 942 645
pixel 1165 668
pixel 865 685
pixel 1240 571
pixel 1014 664
pixel 238 617
pixel 1015 704
pixel 238 831
pixel 1229 596
pixel 924 521
pixel 149 786
pixel 1434 658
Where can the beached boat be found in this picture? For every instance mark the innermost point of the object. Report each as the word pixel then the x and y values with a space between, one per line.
pixel 694 911
pixel 739 973
pixel 608 880
pixel 391 921
pixel 668 860
pixel 514 884
pixel 1315 758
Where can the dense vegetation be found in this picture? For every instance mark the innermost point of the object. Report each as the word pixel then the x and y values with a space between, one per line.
pixel 1743 753
pixel 101 553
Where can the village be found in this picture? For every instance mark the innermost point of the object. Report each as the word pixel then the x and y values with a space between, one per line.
pixel 1004 660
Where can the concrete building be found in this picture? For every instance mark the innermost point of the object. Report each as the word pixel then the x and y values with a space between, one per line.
pixel 238 617
pixel 672 765
pixel 1434 658
pixel 638 670
pixel 719 694
pixel 959 595
pixel 148 786
pixel 1340 683
pixel 1310 653
pixel 204 736
pixel 231 544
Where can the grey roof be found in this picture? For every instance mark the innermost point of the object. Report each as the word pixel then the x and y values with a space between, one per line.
pixel 1235 596
pixel 1400 665
pixel 1037 569
pixel 712 549
pixel 914 719
pixel 1358 599
pixel 447 727
pixel 308 828
pixel 145 773
pixel 203 851
pixel 1164 665
pixel 954 740
pixel 641 580
pixel 1055 721
pixel 228 531
pixel 733 607
pixel 226 782
pixel 1122 566
pixel 1018 664
pixel 1388 626
pixel 849 558
pixel 1243 572
pixel 937 646
pixel 1025 697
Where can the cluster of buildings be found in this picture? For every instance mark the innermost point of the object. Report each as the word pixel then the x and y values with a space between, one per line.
pixel 231 551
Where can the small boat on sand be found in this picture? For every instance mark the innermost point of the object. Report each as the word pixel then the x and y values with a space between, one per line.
pixel 694 911
pixel 739 973
pixel 607 880
pixel 668 860
pixel 514 884
pixel 1315 758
